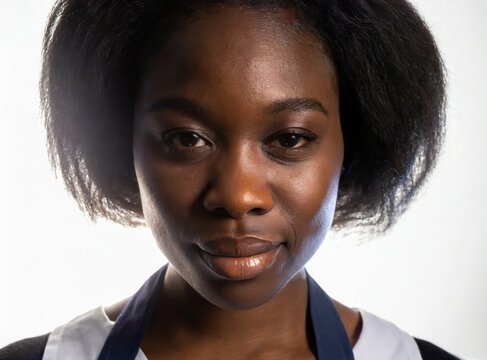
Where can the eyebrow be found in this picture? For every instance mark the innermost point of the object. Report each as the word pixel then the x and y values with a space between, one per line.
pixel 192 108
pixel 181 104
pixel 297 105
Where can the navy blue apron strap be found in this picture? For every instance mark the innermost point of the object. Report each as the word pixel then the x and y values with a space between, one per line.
pixel 123 341
pixel 330 336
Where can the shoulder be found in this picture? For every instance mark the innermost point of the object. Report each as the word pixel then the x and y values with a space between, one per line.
pixel 80 338
pixel 381 339
pixel 430 351
pixel 28 349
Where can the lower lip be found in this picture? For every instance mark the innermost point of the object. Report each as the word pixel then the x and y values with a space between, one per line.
pixel 241 268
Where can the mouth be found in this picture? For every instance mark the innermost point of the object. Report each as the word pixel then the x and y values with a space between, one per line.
pixel 239 259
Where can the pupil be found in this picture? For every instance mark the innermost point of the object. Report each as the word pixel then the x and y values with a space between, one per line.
pixel 188 140
pixel 289 140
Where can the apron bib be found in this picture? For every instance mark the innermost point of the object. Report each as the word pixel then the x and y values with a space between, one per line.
pixel 124 340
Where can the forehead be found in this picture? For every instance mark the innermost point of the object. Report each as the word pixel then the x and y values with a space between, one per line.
pixel 259 55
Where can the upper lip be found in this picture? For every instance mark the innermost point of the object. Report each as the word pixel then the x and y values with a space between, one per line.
pixel 238 247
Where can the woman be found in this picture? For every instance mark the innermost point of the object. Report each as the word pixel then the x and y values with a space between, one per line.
pixel 239 132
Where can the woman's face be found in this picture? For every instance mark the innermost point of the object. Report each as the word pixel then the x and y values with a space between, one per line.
pixel 238 151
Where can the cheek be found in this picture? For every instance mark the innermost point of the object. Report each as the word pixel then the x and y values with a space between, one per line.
pixel 313 203
pixel 168 193
pixel 310 198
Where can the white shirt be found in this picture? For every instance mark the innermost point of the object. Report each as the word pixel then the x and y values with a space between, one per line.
pixel 83 337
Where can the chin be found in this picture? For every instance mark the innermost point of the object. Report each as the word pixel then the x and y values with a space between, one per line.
pixel 241 294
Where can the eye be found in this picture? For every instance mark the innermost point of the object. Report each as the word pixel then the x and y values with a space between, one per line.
pixel 184 139
pixel 291 139
pixel 291 145
pixel 188 139
pixel 184 145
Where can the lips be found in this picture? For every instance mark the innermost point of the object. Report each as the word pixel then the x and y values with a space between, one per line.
pixel 239 259
pixel 232 247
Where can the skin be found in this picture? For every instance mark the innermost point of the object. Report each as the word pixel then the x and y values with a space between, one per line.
pixel 221 150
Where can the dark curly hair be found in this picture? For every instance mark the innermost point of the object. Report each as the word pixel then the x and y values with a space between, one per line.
pixel 390 75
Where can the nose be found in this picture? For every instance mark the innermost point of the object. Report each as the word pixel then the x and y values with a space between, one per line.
pixel 238 186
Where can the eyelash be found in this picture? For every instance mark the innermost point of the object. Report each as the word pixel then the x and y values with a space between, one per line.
pixel 169 142
pixel 301 134
pixel 173 135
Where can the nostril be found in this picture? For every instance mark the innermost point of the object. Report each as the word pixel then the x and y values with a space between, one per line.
pixel 258 211
pixel 221 211
pixel 237 213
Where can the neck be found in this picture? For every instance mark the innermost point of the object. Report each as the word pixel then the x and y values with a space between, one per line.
pixel 182 316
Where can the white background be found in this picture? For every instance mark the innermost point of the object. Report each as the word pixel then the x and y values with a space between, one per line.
pixel 428 275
